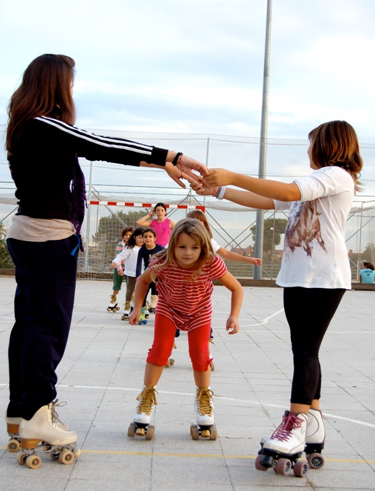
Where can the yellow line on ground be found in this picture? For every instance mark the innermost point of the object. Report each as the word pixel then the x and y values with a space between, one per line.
pixel 206 456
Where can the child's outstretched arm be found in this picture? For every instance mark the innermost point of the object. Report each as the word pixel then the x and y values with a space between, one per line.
pixel 230 282
pixel 116 263
pixel 140 292
pixel 233 256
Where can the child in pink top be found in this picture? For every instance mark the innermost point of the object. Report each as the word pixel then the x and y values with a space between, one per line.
pixel 162 225
pixel 184 273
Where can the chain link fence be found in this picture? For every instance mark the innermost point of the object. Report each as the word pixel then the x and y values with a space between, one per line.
pixel 119 195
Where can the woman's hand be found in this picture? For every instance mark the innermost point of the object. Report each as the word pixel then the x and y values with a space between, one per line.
pixel 232 325
pixel 219 177
pixel 189 163
pixel 181 172
pixel 201 187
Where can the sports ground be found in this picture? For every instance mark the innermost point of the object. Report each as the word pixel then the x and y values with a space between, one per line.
pixel 102 373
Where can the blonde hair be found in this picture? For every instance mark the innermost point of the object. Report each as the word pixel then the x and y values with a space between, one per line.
pixel 196 230
pixel 336 144
pixel 199 215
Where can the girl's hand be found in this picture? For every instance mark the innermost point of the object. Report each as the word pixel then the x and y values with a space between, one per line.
pixel 134 317
pixel 255 260
pixel 232 325
pixel 194 164
pixel 176 173
pixel 112 266
pixel 120 272
pixel 219 177
pixel 201 187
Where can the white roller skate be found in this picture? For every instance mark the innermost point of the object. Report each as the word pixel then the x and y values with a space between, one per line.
pixel 126 313
pixel 315 437
pixel 42 433
pixel 154 301
pixel 113 305
pixel 145 407
pixel 285 446
pixel 204 410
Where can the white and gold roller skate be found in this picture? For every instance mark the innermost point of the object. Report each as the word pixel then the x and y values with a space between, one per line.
pixel 126 313
pixel 113 305
pixel 43 433
pixel 204 410
pixel 145 407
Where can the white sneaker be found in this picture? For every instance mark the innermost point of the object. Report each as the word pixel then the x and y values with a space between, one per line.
pixel 204 406
pixel 315 427
pixel 290 436
pixel 43 427
pixel 145 407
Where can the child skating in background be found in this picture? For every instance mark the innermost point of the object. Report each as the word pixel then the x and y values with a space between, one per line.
pixel 145 254
pixel 130 256
pixel 315 273
pixel 185 272
pixel 117 279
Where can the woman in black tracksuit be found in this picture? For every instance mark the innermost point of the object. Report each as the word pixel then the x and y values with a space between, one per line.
pixel 43 149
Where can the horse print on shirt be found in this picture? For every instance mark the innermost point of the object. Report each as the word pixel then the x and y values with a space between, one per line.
pixel 303 227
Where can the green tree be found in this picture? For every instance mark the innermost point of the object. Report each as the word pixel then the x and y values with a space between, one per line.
pixel 369 253
pixel 273 228
pixel 5 259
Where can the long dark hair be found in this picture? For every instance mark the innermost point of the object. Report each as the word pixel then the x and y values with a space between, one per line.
pixel 336 143
pixel 131 241
pixel 45 90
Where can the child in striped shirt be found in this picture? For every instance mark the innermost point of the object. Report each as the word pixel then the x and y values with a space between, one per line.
pixel 185 273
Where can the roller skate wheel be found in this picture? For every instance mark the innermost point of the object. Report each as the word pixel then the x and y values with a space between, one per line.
pixel 54 455
pixel 213 433
pixel 194 432
pixel 21 458
pixel 124 317
pixel 66 457
pixel 150 432
pixel 283 466
pixel 212 367
pixel 315 460
pixel 131 430
pixel 300 468
pixel 109 309
pixel 77 453
pixel 33 461
pixel 170 362
pixel 258 465
pixel 13 445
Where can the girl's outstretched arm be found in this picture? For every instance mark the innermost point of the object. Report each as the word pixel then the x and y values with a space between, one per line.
pixel 233 256
pixel 263 187
pixel 140 292
pixel 230 282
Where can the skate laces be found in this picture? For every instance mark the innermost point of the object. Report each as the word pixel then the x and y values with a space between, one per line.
pixel 54 415
pixel 204 402
pixel 147 400
pixel 284 431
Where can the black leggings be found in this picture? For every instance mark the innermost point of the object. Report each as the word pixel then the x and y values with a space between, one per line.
pixel 309 312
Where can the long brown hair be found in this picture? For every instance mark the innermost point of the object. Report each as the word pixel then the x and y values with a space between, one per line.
pixel 45 90
pixel 199 215
pixel 196 230
pixel 336 143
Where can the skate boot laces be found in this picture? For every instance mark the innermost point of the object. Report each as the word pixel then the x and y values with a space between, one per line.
pixel 54 415
pixel 289 423
pixel 204 402
pixel 147 400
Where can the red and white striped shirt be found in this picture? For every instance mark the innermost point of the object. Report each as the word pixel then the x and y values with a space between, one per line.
pixel 186 303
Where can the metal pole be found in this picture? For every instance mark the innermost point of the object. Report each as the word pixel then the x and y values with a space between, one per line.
pixel 207 156
pixel 258 248
pixel 88 218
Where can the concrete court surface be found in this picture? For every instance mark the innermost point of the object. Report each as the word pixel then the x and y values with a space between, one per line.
pixel 101 375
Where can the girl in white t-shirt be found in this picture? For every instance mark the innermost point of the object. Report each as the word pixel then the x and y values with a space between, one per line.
pixel 130 256
pixel 315 269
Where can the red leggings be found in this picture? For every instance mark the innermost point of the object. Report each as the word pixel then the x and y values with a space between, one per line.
pixel 164 332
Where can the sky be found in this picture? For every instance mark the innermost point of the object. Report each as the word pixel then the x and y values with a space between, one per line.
pixel 196 66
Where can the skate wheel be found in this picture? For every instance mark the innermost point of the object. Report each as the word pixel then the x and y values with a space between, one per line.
pixel 13 445
pixel 131 430
pixel 21 458
pixel 300 468
pixel 283 466
pixel 194 432
pixel 258 465
pixel 77 453
pixel 33 461
pixel 212 367
pixel 315 460
pixel 66 457
pixel 150 432
pixel 170 362
pixel 213 433
pixel 54 455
